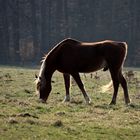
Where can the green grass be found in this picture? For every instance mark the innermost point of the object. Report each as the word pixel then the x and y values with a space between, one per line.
pixel 23 117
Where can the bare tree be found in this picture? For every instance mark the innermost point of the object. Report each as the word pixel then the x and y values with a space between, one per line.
pixel 4 33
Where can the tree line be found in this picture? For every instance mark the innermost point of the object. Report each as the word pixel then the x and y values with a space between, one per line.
pixel 30 28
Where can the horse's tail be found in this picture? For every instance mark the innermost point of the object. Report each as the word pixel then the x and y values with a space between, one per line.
pixel 125 46
pixel 107 87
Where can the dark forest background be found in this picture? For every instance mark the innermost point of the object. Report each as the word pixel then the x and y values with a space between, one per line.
pixel 30 28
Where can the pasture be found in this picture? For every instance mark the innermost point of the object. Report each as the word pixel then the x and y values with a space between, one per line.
pixel 23 117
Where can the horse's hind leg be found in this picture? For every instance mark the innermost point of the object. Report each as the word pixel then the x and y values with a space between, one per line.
pixel 67 87
pixel 115 79
pixel 77 78
pixel 124 86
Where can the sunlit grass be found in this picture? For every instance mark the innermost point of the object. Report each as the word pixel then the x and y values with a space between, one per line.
pixel 23 117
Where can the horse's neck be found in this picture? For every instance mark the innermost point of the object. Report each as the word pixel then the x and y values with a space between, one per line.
pixel 45 71
pixel 42 69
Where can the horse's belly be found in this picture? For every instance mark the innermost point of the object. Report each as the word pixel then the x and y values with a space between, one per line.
pixel 93 67
pixel 86 63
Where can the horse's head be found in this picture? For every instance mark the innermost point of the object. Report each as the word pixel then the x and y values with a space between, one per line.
pixel 43 88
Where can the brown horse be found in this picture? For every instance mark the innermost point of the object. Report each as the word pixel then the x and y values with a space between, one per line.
pixel 72 57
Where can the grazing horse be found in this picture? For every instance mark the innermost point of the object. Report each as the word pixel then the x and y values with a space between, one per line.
pixel 72 57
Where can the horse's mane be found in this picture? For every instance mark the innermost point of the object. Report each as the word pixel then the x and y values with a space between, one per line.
pixel 49 54
pixel 60 44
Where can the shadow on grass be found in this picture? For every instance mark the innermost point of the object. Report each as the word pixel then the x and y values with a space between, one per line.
pixel 134 106
pixel 76 102
pixel 107 106
pixel 117 107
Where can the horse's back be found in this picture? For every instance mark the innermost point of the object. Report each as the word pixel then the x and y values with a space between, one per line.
pixel 70 41
pixel 72 55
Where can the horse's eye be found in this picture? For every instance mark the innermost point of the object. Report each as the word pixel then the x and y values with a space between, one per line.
pixel 36 76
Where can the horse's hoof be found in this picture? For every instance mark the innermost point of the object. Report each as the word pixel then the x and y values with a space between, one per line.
pixel 66 100
pixel 88 102
pixel 41 101
pixel 112 103
pixel 128 102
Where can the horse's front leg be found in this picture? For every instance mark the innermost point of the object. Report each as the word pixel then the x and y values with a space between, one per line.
pixel 67 87
pixel 77 78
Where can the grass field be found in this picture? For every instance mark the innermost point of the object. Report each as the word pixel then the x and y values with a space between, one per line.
pixel 22 117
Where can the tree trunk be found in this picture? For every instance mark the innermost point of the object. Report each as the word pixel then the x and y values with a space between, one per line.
pixel 4 55
pixel 34 30
pixel 16 31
